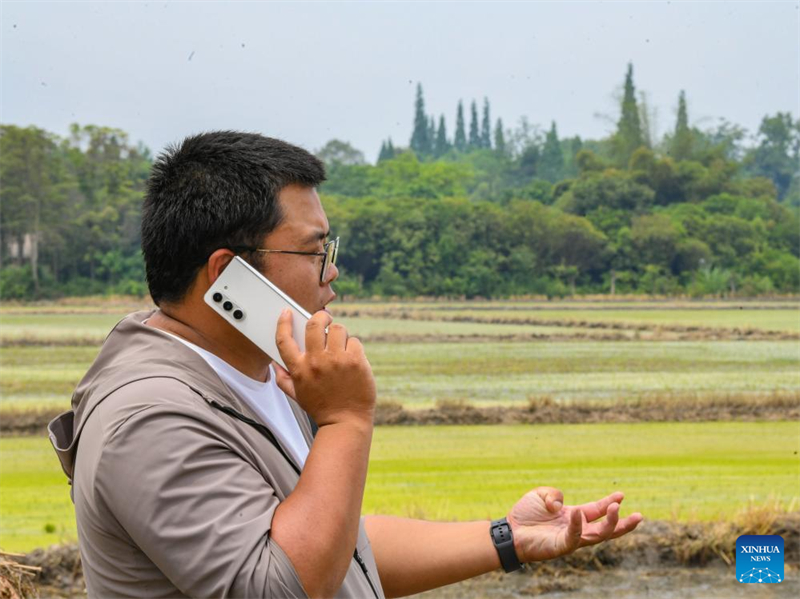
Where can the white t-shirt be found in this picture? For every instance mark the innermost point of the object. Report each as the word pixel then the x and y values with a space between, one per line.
pixel 266 399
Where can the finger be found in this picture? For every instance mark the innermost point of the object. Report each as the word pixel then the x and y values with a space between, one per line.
pixel 574 530
pixel 597 509
pixel 355 346
pixel 337 338
pixel 552 497
pixel 315 332
pixel 626 525
pixel 287 346
pixel 595 533
pixel 284 380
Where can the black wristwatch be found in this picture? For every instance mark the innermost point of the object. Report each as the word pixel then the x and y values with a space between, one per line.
pixel 504 543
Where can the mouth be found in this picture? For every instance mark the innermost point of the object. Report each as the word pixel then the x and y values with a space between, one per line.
pixel 325 305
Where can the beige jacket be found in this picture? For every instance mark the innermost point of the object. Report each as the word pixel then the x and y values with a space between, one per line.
pixel 174 480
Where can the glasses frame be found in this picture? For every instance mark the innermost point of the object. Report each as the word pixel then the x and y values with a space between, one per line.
pixel 331 251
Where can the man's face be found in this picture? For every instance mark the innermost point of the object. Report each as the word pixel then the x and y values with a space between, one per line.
pixel 304 229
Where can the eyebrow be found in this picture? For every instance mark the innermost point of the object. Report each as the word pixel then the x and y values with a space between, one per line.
pixel 318 235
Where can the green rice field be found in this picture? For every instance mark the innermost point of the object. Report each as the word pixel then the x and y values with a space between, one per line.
pixel 488 373
pixel 568 351
pixel 683 471
pixel 767 317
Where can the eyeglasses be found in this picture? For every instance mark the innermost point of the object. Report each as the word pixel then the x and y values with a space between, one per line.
pixel 331 250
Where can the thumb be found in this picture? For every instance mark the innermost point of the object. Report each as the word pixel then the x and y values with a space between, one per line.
pixel 284 380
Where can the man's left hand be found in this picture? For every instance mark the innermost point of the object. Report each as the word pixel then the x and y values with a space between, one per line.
pixel 545 528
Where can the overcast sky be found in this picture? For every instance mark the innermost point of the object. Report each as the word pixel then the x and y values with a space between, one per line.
pixel 309 72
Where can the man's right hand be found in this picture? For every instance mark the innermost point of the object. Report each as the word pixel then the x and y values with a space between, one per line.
pixel 332 381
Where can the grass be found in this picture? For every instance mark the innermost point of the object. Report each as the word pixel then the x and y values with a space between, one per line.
pixel 367 327
pixel 730 315
pixel 764 319
pixel 694 471
pixel 85 329
pixel 669 470
pixel 509 373
pixel 35 508
pixel 490 373
pixel 702 471
pixel 58 326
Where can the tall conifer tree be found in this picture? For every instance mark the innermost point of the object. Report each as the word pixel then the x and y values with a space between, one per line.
pixel 460 140
pixel 681 146
pixel 382 155
pixel 420 142
pixel 629 131
pixel 551 166
pixel 474 135
pixel 486 126
pixel 499 138
pixel 442 145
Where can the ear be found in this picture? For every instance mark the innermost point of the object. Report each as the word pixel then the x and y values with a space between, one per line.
pixel 217 263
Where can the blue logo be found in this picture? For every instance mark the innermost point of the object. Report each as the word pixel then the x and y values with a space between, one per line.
pixel 759 559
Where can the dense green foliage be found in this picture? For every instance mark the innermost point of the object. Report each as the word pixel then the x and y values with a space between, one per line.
pixel 70 212
pixel 486 214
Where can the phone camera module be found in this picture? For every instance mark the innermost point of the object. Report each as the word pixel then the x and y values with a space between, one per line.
pixel 238 314
pixel 227 306
pixel 217 297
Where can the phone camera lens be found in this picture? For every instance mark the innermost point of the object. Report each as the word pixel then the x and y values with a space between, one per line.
pixel 217 297
pixel 227 306
pixel 237 314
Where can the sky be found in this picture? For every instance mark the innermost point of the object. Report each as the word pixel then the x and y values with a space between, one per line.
pixel 308 72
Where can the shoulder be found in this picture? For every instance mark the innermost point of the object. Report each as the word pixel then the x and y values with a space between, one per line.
pixel 148 397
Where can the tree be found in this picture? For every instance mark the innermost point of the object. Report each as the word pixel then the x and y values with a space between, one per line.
pixel 778 151
pixel 611 189
pixel 474 135
pixel 681 143
pixel 31 196
pixel 529 160
pixel 340 153
pixel 442 145
pixel 460 140
pixel 486 126
pixel 499 138
pixel 646 118
pixel 552 161
pixel 655 238
pixel 420 142
pixel 629 131
pixel 387 151
pixel 431 135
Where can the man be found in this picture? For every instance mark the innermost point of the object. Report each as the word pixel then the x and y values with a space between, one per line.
pixel 194 465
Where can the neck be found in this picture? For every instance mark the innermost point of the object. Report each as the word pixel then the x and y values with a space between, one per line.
pixel 201 328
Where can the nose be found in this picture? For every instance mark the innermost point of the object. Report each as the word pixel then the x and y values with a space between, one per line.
pixel 331 275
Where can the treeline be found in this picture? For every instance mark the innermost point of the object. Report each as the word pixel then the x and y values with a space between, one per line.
pixel 699 212
pixel 70 211
pixel 490 212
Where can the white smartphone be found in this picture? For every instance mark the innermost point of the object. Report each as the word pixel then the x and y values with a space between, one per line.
pixel 252 304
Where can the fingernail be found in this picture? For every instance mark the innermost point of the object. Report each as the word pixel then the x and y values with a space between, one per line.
pixel 558 505
pixel 285 312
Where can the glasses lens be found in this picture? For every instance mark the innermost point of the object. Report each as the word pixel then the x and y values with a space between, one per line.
pixel 335 251
pixel 331 250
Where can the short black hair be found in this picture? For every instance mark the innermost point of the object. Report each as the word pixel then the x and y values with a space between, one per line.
pixel 214 190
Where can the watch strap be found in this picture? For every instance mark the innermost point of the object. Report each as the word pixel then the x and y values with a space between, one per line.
pixel 503 540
